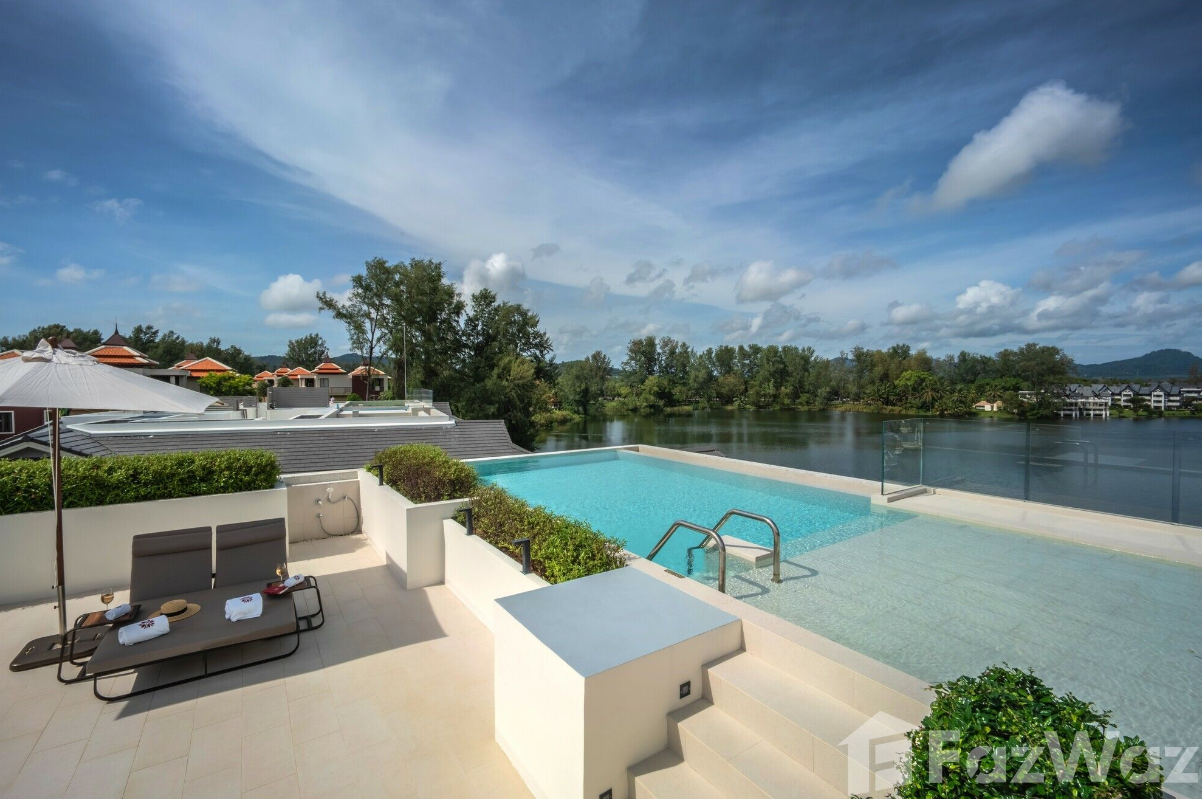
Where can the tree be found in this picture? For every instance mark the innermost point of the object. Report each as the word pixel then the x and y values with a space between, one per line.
pixel 365 311
pixel 423 326
pixel 143 338
pixel 582 383
pixel 283 381
pixel 169 348
pixel 642 359
pixel 306 351
pixel 84 339
pixel 227 384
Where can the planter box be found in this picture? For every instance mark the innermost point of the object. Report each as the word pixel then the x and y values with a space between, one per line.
pixel 97 541
pixel 407 536
pixel 478 573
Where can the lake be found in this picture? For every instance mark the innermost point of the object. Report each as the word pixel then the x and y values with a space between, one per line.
pixel 1147 467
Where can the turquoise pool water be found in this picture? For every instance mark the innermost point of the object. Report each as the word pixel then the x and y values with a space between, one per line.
pixel 932 597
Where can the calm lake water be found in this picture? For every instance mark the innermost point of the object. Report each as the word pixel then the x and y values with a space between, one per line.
pixel 1147 467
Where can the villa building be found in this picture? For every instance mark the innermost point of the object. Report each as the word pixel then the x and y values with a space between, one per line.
pixel 198 368
pixel 369 384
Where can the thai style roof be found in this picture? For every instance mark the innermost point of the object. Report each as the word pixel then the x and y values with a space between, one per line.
pixel 362 370
pixel 329 368
pixel 264 375
pixel 4 356
pixel 202 366
pixel 300 371
pixel 121 355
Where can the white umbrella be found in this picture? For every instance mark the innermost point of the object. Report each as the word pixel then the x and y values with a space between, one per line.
pixel 53 378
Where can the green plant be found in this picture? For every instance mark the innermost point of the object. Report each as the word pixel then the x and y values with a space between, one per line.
pixel 561 548
pixel 353 397
pixel 116 479
pixel 227 384
pixel 424 473
pixel 1011 708
pixel 283 381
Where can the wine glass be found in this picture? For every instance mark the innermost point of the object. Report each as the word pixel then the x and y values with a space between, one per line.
pixel 281 571
pixel 107 597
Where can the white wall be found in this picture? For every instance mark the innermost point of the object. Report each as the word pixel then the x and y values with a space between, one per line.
pixel 98 541
pixel 339 517
pixel 478 573
pixel 407 536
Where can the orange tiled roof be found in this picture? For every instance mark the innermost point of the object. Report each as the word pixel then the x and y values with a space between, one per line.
pixel 120 355
pixel 362 370
pixel 264 375
pixel 329 368
pixel 283 370
pixel 202 366
pixel 300 371
pixel 4 356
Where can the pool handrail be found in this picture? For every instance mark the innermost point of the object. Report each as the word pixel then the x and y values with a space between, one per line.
pixel 758 517
pixel 709 534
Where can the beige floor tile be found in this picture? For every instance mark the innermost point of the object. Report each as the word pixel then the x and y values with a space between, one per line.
pixel 28 715
pixel 161 781
pixel 68 724
pixel 363 723
pixel 101 778
pixel 312 717
pixel 305 683
pixel 266 757
pixel 218 706
pixel 214 748
pixel 12 756
pixel 323 766
pixel 288 786
pixel 115 732
pixel 46 774
pixel 263 710
pixel 163 739
pixel 175 699
pixel 220 785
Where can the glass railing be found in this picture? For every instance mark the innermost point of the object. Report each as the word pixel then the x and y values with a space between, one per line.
pixel 1151 474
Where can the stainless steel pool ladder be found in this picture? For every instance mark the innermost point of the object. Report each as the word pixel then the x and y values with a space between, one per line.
pixel 716 537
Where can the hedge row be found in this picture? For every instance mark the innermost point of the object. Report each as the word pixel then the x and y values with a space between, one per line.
pixel 561 548
pixel 117 479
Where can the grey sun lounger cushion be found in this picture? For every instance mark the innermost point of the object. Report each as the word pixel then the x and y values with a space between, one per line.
pixel 207 630
pixel 175 561
pixel 250 551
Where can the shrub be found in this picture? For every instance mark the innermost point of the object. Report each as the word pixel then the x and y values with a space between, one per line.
pixel 353 397
pixel 424 473
pixel 1011 708
pixel 116 479
pixel 227 384
pixel 561 548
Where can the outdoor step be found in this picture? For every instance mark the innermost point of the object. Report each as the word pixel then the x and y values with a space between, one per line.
pixel 737 761
pixel 800 720
pixel 665 775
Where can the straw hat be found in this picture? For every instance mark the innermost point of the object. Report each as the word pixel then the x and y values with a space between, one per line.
pixel 176 610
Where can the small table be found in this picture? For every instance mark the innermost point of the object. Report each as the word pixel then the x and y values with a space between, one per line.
pixel 305 623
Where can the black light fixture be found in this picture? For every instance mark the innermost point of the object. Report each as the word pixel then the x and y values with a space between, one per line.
pixel 524 543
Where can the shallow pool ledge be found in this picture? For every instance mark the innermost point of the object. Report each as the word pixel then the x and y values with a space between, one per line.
pixel 587 671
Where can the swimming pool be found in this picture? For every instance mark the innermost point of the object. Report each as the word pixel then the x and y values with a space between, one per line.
pixel 932 597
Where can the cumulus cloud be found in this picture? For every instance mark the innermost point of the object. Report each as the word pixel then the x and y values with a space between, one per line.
pixel 762 281
pixel 8 254
pixel 1081 265
pixel 544 250
pixel 779 322
pixel 911 314
pixel 664 291
pixel 61 176
pixel 1051 124
pixel 848 265
pixel 644 272
pixel 74 274
pixel 1067 311
pixel 500 273
pixel 1189 276
pixel 121 210
pixel 290 319
pixel 289 294
pixel 702 273
pixel 986 296
pixel 596 292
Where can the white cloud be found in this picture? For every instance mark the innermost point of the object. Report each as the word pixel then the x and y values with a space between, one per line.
pixel 290 292
pixel 1051 124
pixel 1082 265
pixel 1068 311
pixel 644 272
pixel 74 273
pixel 702 273
pixel 852 327
pixel 596 292
pixel 912 314
pixel 986 296
pixel 666 290
pixel 121 210
pixel 500 273
pixel 545 250
pixel 290 319
pixel 761 281
pixel 8 254
pixel 1190 275
pixel 848 265
pixel 61 176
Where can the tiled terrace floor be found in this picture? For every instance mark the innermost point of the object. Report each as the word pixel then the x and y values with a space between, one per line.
pixel 391 698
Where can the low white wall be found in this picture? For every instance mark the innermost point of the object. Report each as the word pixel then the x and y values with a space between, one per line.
pixel 97 541
pixel 338 518
pixel 478 573
pixel 407 536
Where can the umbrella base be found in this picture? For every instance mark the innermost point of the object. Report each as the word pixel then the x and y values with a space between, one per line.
pixel 48 650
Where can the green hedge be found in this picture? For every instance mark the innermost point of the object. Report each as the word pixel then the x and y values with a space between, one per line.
pixel 116 479
pixel 424 473
pixel 561 548
pixel 1011 708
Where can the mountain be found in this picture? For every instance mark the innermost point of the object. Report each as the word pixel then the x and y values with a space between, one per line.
pixel 1157 365
pixel 348 361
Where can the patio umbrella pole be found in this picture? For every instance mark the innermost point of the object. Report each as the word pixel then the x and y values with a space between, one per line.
pixel 56 469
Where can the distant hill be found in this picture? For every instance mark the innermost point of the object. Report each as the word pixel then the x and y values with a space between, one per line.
pixel 348 361
pixel 1157 365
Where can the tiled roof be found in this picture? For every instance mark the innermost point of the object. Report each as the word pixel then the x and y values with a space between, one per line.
pixel 283 370
pixel 203 366
pixel 329 368
pixel 120 355
pixel 362 370
pixel 264 375
pixel 300 371
pixel 4 356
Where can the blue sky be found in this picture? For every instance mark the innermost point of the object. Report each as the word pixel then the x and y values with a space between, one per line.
pixel 952 175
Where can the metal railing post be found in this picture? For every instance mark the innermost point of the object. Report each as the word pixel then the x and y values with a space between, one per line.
pixel 758 518
pixel 524 543
pixel 467 520
pixel 378 468
pixel 705 531
pixel 922 451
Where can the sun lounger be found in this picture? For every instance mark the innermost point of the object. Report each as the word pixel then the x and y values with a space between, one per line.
pixel 173 561
pixel 250 551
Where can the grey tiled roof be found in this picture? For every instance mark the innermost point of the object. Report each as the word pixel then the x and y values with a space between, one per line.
pixel 308 450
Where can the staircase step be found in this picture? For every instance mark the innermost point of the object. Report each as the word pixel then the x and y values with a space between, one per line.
pixel 737 761
pixel 665 775
pixel 800 720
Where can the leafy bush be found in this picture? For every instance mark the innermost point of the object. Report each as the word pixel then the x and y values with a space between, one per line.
pixel 424 473
pixel 561 549
pixel 1011 708
pixel 116 479
pixel 353 397
pixel 227 384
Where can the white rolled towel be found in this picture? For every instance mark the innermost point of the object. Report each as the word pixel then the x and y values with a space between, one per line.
pixel 294 580
pixel 143 630
pixel 116 612
pixel 244 607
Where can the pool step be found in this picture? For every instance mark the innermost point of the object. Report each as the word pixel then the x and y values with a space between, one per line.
pixel 804 723
pixel 666 776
